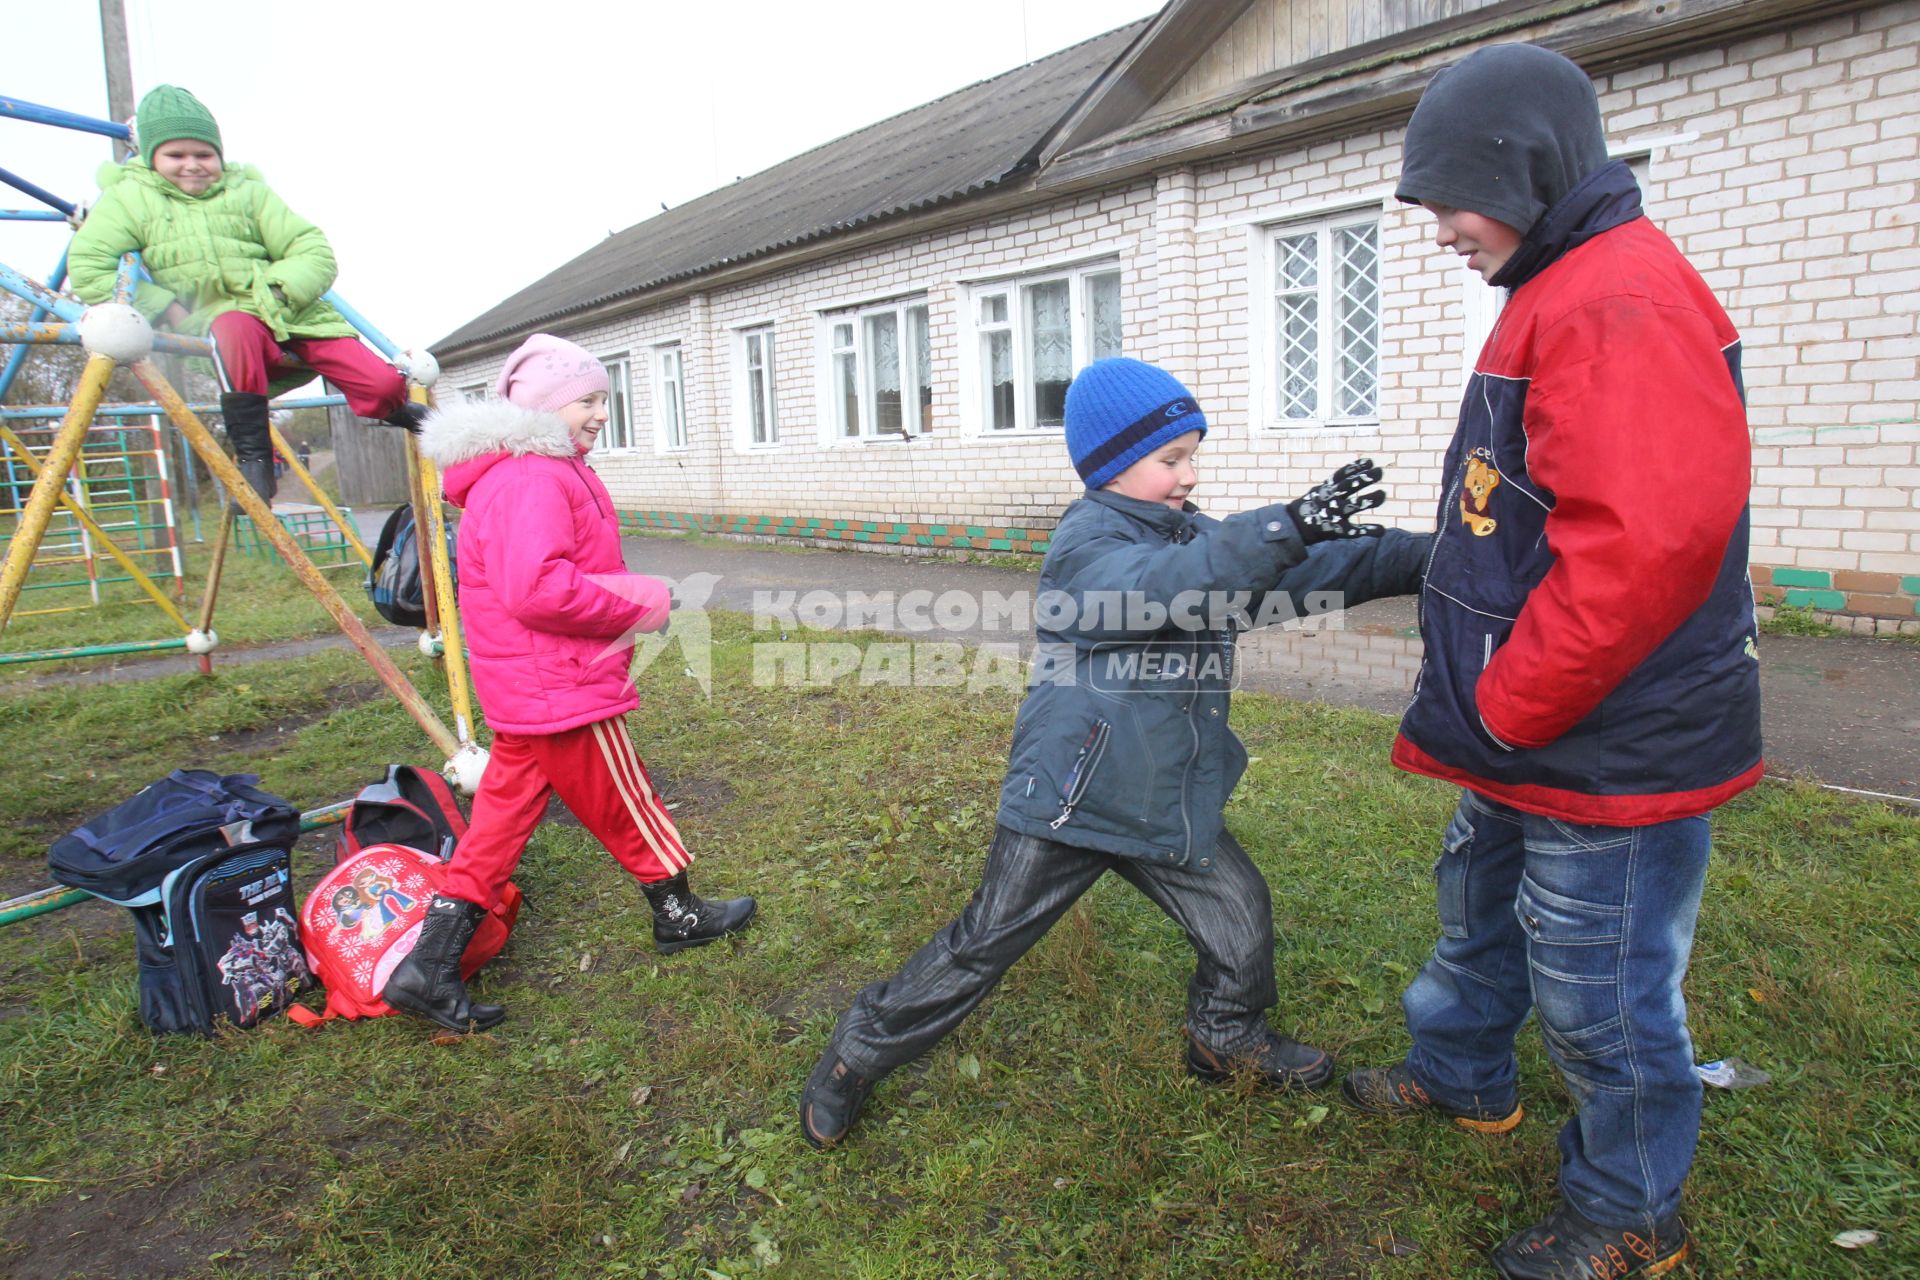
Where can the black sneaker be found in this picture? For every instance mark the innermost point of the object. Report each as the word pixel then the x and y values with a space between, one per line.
pixel 1274 1062
pixel 1568 1247
pixel 1392 1091
pixel 832 1100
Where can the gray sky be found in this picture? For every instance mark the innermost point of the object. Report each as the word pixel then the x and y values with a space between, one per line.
pixel 453 158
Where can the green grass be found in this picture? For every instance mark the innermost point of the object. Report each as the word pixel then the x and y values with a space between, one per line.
pixel 634 1115
pixel 1796 620
pixel 259 601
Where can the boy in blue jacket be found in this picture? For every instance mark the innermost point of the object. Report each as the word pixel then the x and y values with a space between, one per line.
pixel 1122 759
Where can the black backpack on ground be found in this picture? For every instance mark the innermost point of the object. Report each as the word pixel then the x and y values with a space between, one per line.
pixel 203 864
pixel 405 806
pixel 394 580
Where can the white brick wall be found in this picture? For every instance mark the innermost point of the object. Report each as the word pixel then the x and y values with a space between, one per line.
pixel 1785 166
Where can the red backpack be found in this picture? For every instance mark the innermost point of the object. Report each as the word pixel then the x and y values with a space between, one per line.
pixel 363 918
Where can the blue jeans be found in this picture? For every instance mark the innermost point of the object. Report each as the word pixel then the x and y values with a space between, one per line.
pixel 1591 927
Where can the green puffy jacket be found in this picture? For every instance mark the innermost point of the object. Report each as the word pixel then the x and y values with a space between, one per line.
pixel 223 250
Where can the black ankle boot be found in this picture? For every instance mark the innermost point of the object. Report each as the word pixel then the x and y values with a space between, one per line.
pixel 681 919
pixel 246 415
pixel 428 981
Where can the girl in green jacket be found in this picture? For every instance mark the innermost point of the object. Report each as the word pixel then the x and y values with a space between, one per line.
pixel 230 260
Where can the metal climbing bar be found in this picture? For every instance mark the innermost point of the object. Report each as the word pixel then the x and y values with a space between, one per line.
pixel 34 113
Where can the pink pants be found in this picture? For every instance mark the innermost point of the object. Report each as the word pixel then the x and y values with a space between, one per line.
pixel 597 774
pixel 246 357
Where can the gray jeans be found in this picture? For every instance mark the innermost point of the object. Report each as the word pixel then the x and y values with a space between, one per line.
pixel 1029 883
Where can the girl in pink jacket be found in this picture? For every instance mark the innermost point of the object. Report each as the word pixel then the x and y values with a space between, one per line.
pixel 550 613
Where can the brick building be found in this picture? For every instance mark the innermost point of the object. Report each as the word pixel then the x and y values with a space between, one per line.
pixel 871 342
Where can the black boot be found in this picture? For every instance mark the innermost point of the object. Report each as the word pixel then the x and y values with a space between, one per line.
pixel 407 417
pixel 681 919
pixel 246 415
pixel 428 981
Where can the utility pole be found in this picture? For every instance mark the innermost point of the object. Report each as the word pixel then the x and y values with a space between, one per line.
pixel 113 42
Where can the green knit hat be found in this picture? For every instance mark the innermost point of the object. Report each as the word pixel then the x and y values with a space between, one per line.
pixel 169 113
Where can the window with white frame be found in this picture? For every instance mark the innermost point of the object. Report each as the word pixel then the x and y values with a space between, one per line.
pixel 618 433
pixel 758 412
pixel 475 392
pixel 669 399
pixel 1325 321
pixel 1032 335
pixel 880 370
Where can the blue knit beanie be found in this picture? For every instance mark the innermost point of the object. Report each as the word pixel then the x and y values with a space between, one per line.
pixel 1119 411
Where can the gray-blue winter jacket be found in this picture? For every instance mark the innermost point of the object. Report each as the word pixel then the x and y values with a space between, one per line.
pixel 1122 743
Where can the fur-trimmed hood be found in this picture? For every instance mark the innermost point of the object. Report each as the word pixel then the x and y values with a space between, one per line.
pixel 474 428
pixel 468 439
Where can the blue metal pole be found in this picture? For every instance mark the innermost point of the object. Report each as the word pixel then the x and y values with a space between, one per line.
pixel 381 341
pixel 38 294
pixel 41 194
pixel 41 413
pixel 19 355
pixel 30 215
pixel 68 335
pixel 37 114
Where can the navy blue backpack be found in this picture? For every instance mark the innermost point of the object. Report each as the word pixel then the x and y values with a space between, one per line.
pixel 203 864
pixel 394 578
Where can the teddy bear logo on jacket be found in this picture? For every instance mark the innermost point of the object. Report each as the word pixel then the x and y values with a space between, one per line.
pixel 1476 491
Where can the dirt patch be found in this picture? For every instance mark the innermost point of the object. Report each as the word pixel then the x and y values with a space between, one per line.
pixel 155 1230
pixel 793 1012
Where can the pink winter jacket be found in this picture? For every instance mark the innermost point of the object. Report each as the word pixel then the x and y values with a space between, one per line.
pixel 550 647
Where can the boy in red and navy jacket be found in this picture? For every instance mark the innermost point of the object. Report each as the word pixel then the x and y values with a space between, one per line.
pixel 1590 677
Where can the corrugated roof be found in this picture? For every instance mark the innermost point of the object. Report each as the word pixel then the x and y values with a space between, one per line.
pixel 952 147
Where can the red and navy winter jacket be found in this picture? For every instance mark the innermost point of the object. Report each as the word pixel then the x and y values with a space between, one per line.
pixel 1587 614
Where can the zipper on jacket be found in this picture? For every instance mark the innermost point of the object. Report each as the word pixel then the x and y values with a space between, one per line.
pixel 1433 550
pixel 1186 774
pixel 580 463
pixel 1084 764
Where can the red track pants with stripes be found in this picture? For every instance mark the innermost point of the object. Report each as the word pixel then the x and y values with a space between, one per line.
pixel 246 358
pixel 597 774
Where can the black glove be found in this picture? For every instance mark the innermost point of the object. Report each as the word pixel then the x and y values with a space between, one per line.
pixel 1326 511
pixel 407 417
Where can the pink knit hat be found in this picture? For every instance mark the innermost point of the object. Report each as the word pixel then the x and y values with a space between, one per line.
pixel 546 373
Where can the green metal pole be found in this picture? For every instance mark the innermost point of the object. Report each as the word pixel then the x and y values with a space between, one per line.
pixel 93 651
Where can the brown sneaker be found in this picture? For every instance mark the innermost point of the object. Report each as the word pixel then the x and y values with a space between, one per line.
pixel 1392 1091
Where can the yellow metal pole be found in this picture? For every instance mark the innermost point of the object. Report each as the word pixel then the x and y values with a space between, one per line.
pixel 241 492
pixel 81 514
pixel 52 480
pixel 214 568
pixel 300 473
pixel 435 549
pixel 215 565
pixel 417 499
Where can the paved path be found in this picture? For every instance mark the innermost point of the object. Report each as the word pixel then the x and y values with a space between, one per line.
pixel 1844 710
